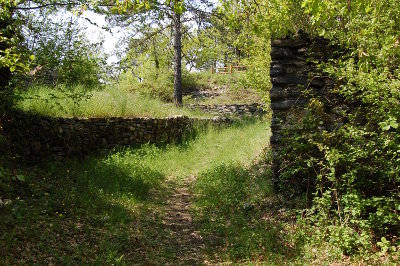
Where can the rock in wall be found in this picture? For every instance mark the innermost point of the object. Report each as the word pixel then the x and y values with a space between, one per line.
pixel 288 77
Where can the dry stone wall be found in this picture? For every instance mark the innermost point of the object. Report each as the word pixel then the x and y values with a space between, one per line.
pixel 229 109
pixel 37 136
pixel 294 80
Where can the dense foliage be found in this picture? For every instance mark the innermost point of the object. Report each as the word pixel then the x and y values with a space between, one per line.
pixel 351 172
pixel 12 59
pixel 357 166
pixel 40 43
pixel 63 54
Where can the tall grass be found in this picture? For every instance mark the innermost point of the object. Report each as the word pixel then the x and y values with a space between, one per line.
pixel 207 81
pixel 229 211
pixel 110 101
pixel 160 86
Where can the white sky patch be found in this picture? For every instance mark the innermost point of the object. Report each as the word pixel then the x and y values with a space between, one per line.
pixel 97 33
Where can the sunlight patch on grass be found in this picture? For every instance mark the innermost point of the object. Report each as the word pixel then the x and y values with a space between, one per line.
pixel 238 143
pixel 228 209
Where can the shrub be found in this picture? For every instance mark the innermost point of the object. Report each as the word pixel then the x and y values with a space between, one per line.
pixel 351 173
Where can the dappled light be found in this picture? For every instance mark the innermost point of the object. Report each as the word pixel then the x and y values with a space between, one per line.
pixel 137 132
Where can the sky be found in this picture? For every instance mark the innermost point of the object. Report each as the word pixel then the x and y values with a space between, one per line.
pixel 95 33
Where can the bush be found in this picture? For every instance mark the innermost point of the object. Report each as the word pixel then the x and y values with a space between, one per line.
pixel 353 182
pixel 150 82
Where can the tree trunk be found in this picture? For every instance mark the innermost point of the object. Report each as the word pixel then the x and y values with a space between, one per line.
pixel 156 61
pixel 177 60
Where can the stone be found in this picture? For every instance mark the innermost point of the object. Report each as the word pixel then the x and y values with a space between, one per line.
pixel 274 72
pixel 282 105
pixel 104 142
pixel 317 82
pixel 285 80
pixel 35 147
pixel 290 69
pixel 291 43
pixel 277 53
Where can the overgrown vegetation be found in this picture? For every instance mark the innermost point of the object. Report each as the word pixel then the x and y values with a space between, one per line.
pixel 156 84
pixel 344 181
pixel 63 53
pixel 131 98
pixel 110 208
pixel 357 178
pixel 351 172
pixel 244 222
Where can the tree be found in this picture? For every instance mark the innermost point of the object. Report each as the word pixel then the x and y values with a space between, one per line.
pixel 163 14
pixel 11 57
pixel 62 52
pixel 212 44
pixel 14 57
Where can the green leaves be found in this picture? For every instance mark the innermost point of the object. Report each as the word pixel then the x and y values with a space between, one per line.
pixel 391 122
pixel 143 6
pixel 354 168
pixel 20 178
pixel 178 6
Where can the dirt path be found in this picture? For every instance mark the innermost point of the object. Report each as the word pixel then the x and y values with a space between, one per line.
pixel 178 220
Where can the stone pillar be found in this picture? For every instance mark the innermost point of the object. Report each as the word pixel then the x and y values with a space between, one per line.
pixel 289 72
pixel 292 73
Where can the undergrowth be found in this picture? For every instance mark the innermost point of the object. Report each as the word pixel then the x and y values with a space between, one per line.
pixel 244 222
pixel 233 89
pixel 230 210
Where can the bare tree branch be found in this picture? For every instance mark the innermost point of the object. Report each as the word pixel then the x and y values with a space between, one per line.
pixel 45 5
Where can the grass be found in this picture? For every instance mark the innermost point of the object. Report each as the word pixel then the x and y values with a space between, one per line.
pixel 207 81
pixel 213 148
pixel 229 96
pixel 108 209
pixel 129 98
pixel 111 101
pixel 250 225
